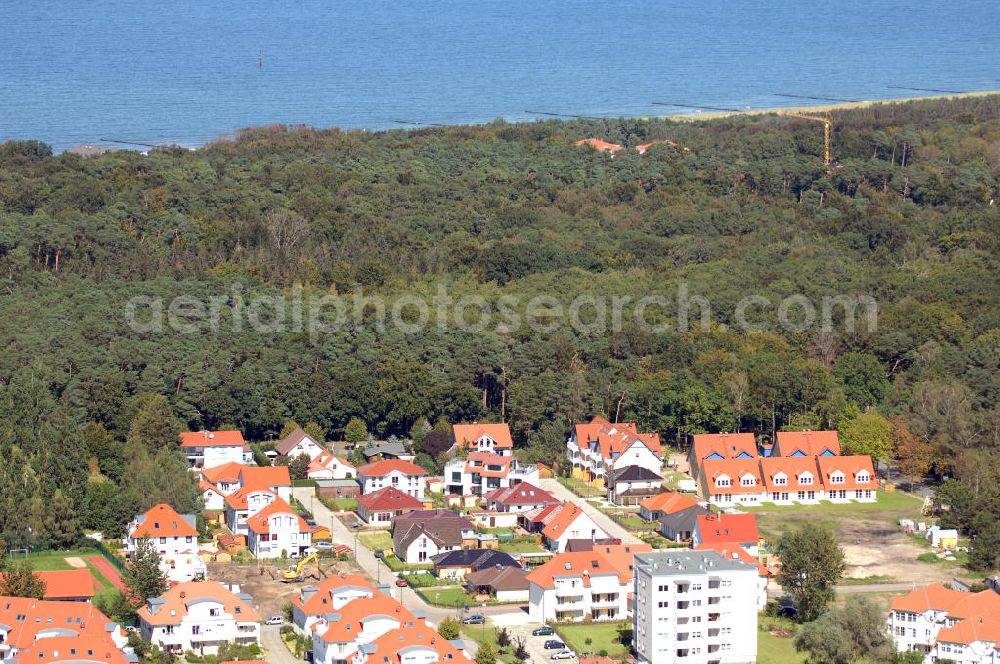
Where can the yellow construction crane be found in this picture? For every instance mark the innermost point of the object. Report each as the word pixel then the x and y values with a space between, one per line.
pixel 827 126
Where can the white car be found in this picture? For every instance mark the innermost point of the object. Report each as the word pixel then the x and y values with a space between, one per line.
pixel 323 546
pixel 563 654
pixel 275 620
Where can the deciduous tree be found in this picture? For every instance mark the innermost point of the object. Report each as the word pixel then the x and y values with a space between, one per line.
pixel 811 565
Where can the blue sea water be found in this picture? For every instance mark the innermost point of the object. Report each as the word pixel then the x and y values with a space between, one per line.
pixel 187 71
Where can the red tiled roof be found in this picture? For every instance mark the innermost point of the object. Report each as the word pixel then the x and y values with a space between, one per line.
pixel 524 493
pixel 265 476
pixel 84 648
pixel 851 467
pixel 353 615
pixel 394 645
pixel 28 617
pixel 227 472
pixel 559 522
pixel 162 520
pixel 467 434
pixel 325 460
pixel 585 564
pixel 238 500
pixel 388 499
pixel 487 459
pixel 613 440
pixel 726 445
pixel 212 439
pixel 177 599
pixel 735 552
pixel 734 469
pixel 315 605
pixel 259 521
pixel 669 502
pixel 715 529
pixel 66 584
pixel 386 466
pixel 982 628
pixel 812 443
pixel 794 469
pixel 598 144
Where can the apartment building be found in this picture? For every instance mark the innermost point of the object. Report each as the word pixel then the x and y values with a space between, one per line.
pixel 598 448
pixel 788 480
pixel 175 539
pixel 207 449
pixel 947 624
pixel 696 607
pixel 479 473
pixel 199 617
pixel 405 476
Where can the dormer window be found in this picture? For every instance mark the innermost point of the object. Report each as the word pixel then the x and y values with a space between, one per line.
pixel 805 479
pixel 836 479
pixel 748 480
pixel 863 476
pixel 722 481
pixel 781 480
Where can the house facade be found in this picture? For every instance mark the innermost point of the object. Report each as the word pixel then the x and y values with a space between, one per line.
pixel 208 449
pixel 678 526
pixel 520 497
pixel 405 476
pixel 199 617
pixel 728 482
pixel 568 522
pixel 328 596
pixel 380 507
pixel 479 473
pixel 485 438
pixel 632 484
pixel 327 466
pixel 694 606
pixel 947 624
pixel 297 443
pixel 277 531
pixel 420 535
pixel 175 538
pixel 599 447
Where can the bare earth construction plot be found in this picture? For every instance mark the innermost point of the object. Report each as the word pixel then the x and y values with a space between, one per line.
pixel 873 543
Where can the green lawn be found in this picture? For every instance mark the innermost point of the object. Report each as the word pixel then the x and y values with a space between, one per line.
pixel 520 547
pixel 340 504
pixel 54 560
pixel 377 540
pixel 581 488
pixel 602 635
pixel 632 521
pixel 482 633
pixel 453 597
pixel 774 649
pixel 428 580
pixel 673 478
pixel 773 520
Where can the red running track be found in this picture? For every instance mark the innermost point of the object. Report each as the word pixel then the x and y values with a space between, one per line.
pixel 108 570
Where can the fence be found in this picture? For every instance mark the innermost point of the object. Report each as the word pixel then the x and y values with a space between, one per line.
pixel 112 557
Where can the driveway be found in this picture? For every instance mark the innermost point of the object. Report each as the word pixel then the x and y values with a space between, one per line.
pixel 277 653
pixel 601 519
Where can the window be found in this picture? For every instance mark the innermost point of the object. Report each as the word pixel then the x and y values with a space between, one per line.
pixel 163 540
pixel 805 480
pixel 722 481
pixel 863 477
pixel 781 480
pixel 748 480
pixel 836 479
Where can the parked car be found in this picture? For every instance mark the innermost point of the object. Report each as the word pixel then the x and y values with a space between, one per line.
pixel 544 630
pixel 275 620
pixel 378 553
pixel 401 582
pixel 323 546
pixel 474 619
pixel 131 628
pixel 563 654
pixel 554 644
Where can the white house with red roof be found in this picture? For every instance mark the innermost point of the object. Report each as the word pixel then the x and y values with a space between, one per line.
pixel 413 643
pixel 326 597
pixel 488 438
pixel 947 624
pixel 405 476
pixel 714 530
pixel 175 538
pixel 207 449
pixel 579 585
pixel 199 617
pixel 521 497
pixel 380 507
pixel 297 443
pixel 727 482
pixel 558 524
pixel 790 480
pixel 47 632
pixel 848 478
pixel 328 466
pixel 721 446
pixel 599 447
pixel 481 472
pixel 218 484
pixel 277 531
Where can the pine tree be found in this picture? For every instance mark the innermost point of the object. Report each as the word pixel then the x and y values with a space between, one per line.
pixel 143 576
pixel 154 425
pixel 62 524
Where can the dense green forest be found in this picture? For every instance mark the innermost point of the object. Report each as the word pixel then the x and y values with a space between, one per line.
pixel 908 217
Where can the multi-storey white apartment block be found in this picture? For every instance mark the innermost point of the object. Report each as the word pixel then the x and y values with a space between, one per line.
pixel 199 617
pixel 405 476
pixel 208 449
pixel 695 607
pixel 482 472
pixel 600 447
pixel 175 538
pixel 947 624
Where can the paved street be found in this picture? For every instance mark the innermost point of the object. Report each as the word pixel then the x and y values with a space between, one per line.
pixel 277 653
pixel 601 519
